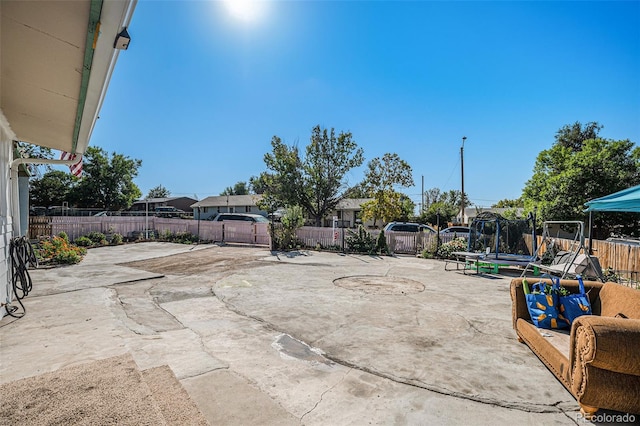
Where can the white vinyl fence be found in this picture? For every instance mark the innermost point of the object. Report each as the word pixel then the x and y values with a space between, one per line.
pixel 134 227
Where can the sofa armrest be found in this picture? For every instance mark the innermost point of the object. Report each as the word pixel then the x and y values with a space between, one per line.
pixel 607 343
pixel 518 302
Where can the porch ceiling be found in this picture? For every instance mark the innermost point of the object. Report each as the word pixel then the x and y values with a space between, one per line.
pixel 43 48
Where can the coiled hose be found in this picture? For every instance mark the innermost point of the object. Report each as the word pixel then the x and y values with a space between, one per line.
pixel 22 255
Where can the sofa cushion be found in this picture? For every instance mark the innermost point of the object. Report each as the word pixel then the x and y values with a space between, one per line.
pixel 618 300
pixel 552 347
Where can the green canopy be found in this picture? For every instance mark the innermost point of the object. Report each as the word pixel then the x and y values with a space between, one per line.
pixel 627 200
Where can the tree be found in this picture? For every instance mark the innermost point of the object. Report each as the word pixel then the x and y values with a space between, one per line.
pixel 573 136
pixel 256 185
pixel 445 205
pixel 159 192
pixel 356 191
pixel 52 189
pixel 315 182
pixel 108 181
pixel 506 203
pixel 240 188
pixel 381 179
pixel 574 171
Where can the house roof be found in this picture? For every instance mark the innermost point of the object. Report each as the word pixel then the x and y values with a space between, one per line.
pixel 55 65
pixel 162 200
pixel 351 203
pixel 473 211
pixel 228 200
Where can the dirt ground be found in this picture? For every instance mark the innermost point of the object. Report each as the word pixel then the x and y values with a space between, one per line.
pixel 199 262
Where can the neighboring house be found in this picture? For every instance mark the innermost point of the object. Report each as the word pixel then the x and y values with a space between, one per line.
pixel 182 203
pixel 57 59
pixel 348 210
pixel 209 207
pixel 349 213
pixel 471 213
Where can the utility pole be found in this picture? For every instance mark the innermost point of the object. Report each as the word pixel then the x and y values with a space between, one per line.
pixel 422 205
pixel 464 138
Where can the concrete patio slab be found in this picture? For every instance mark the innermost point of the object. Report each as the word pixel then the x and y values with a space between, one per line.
pixel 308 337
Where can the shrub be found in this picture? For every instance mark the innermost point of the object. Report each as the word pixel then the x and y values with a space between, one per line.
pixel 381 243
pixel 83 242
pixel 116 239
pixel 178 237
pixel 58 250
pixel 457 244
pixel 64 236
pixel 284 236
pixel 360 241
pixel 184 238
pixel 431 251
pixel 98 238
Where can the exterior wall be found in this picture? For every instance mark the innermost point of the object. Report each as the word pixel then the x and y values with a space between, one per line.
pixel 6 223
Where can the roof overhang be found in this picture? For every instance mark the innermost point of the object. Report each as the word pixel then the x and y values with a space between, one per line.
pixel 57 58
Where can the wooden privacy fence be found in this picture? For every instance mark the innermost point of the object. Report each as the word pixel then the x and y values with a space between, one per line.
pixel 622 258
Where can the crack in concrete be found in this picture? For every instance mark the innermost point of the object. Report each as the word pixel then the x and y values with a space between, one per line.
pixel 326 391
pixel 204 372
pixel 513 405
pixel 526 407
pixel 573 419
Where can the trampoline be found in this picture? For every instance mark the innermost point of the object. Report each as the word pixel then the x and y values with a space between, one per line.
pixel 503 241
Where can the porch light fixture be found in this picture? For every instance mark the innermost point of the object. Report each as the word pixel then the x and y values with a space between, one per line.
pixel 122 40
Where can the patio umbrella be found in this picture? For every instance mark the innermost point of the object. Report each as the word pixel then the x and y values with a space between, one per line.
pixel 627 200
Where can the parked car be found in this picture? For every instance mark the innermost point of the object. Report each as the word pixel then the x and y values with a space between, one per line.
pixel 458 230
pixel 168 211
pixel 246 217
pixel 408 227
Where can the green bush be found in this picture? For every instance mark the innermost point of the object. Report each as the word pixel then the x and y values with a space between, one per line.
pixel 116 239
pixel 178 237
pixel 284 234
pixel 431 251
pixel 360 241
pixel 68 257
pixel 457 244
pixel 98 238
pixel 381 243
pixel 58 250
pixel 83 242
pixel 64 236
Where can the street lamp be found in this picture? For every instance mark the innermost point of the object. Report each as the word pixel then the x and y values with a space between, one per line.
pixel 464 138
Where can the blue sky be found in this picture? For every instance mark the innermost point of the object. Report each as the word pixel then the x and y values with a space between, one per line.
pixel 200 92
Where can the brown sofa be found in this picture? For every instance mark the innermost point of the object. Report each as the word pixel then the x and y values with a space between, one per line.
pixel 598 360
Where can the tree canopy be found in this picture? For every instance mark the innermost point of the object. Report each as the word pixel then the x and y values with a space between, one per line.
pixel 108 181
pixel 316 182
pixel 52 189
pixel 444 205
pixel 575 170
pixel 381 179
pixel 507 203
pixel 240 188
pixel 159 192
